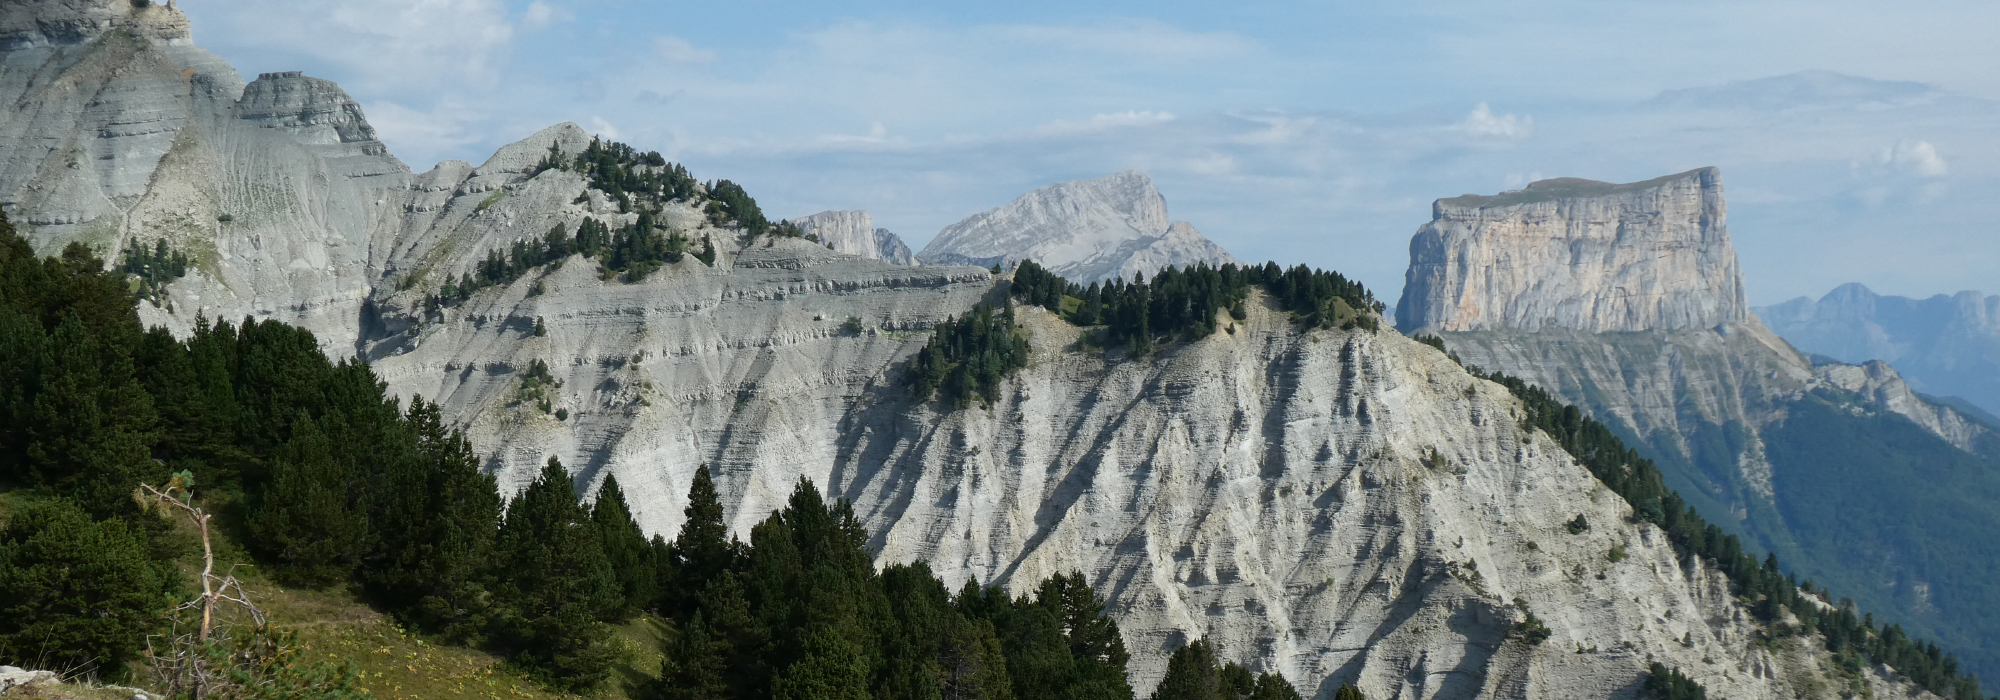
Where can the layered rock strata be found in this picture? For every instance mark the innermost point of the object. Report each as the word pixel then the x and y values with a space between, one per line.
pixel 1577 254
pixel 1084 230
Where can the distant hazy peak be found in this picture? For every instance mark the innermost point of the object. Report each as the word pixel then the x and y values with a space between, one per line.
pixel 1084 230
pixel 1945 344
pixel 1579 254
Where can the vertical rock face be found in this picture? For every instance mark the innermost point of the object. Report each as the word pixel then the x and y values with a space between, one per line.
pixel 1577 254
pixel 1085 230
pixel 1626 300
pixel 313 110
pixel 854 233
pixel 1947 345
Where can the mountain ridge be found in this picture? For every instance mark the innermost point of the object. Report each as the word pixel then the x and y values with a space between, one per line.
pixel 1340 505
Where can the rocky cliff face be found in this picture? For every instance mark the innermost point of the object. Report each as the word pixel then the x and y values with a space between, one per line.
pixel 854 233
pixel 1947 345
pixel 115 132
pixel 1577 254
pixel 1625 300
pixel 1338 506
pixel 1084 230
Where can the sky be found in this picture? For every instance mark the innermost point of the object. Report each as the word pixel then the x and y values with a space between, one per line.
pixel 1859 141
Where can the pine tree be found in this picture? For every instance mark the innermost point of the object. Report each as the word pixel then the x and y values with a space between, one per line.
pixel 306 517
pixel 438 548
pixel 1348 692
pixel 1192 674
pixel 556 581
pixel 1271 686
pixel 703 549
pixel 693 666
pixel 833 668
pixel 626 550
pixel 90 425
pixel 75 593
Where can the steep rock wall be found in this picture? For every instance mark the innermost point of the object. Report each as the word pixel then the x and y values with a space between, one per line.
pixel 1577 254
pixel 854 233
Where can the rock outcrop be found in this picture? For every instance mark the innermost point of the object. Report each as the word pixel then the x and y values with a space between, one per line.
pixel 1946 345
pixel 1577 254
pixel 1625 300
pixel 1084 230
pixel 854 233
pixel 116 132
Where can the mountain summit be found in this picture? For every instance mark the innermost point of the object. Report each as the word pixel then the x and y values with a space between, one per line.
pixel 1084 230
pixel 1577 254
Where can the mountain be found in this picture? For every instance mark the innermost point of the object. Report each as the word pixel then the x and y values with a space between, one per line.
pixel 1577 254
pixel 1340 505
pixel 1947 345
pixel 854 233
pixel 1627 300
pixel 1084 230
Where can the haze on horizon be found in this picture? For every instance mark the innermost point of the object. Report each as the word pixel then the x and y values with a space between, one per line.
pixel 1858 142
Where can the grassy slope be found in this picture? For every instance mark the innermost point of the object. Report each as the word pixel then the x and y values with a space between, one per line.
pixel 394 663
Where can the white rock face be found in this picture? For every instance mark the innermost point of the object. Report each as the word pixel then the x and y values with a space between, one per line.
pixel 114 131
pixel 1946 345
pixel 1335 506
pixel 1577 254
pixel 854 233
pixel 1084 230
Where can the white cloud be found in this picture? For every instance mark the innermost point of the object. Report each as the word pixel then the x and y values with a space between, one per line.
pixel 1144 39
pixel 1917 158
pixel 1105 122
pixel 673 49
pixel 377 45
pixel 541 14
pixel 1483 123
pixel 603 128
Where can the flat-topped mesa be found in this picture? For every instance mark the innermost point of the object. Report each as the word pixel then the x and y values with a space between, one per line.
pixel 854 233
pixel 1084 230
pixel 1578 254
pixel 29 24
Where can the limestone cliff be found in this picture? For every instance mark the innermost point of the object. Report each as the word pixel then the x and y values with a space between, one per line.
pixel 1336 506
pixel 115 131
pixel 854 233
pixel 1626 300
pixel 1084 230
pixel 1577 254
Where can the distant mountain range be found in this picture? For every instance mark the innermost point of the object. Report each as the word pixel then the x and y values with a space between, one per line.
pixel 1946 345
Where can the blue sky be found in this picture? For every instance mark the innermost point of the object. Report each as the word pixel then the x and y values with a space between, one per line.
pixel 1859 141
